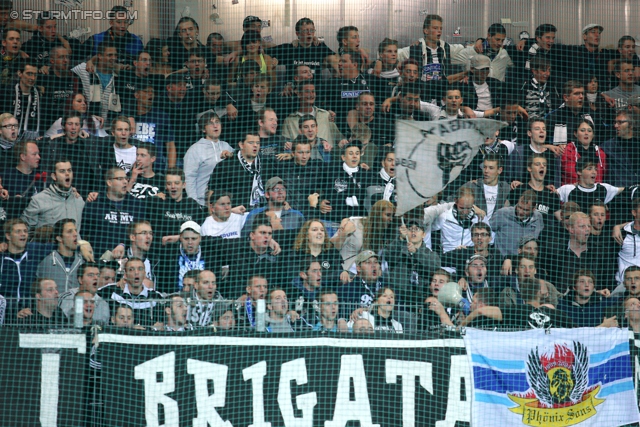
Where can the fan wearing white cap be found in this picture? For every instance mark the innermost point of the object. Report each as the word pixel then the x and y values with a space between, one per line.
pixel 193 253
pixel 589 59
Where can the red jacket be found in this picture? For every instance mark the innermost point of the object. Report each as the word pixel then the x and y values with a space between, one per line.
pixel 569 160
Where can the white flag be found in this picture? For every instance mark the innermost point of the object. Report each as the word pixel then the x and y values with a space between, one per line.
pixel 429 155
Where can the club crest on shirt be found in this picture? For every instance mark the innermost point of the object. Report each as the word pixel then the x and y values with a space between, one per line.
pixel 340 185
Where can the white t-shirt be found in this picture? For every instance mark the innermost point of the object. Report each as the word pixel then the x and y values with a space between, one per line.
pixel 565 190
pixel 484 97
pixel 125 157
pixel 230 229
pixel 491 197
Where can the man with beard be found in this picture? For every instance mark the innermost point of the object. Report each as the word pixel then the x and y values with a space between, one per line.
pixel 24 100
pixel 57 202
pixel 205 297
pixel 87 277
pixel 142 300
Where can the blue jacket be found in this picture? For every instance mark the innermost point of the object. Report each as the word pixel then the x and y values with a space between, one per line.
pixel 132 44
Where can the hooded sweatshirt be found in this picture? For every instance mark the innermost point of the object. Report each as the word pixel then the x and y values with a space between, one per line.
pixel 199 162
pixel 52 205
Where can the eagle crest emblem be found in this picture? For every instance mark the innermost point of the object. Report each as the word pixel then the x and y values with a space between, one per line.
pixel 559 393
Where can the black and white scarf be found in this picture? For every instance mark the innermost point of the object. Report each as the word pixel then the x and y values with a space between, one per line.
pixel 390 186
pixel 257 188
pixel 24 113
pixel 465 222
pixel 201 312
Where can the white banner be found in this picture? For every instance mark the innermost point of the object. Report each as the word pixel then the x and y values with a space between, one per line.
pixel 429 155
pixel 566 377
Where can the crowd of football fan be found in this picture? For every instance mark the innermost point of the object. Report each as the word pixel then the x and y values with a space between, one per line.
pixel 174 185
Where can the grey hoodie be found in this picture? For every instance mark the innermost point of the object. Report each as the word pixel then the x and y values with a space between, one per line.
pixel 199 162
pixel 50 206
pixel 53 267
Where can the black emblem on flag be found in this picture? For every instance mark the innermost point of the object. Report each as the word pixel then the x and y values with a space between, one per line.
pixel 451 156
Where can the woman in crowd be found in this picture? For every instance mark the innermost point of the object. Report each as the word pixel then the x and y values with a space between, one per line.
pixel 159 51
pixel 583 146
pixel 251 44
pixel 312 239
pixel 92 125
pixel 373 232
